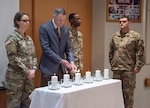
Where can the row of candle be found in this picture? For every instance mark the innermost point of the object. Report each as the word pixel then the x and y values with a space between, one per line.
pixel 98 74
pixel 66 77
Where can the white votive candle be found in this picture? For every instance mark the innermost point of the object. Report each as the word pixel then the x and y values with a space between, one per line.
pixel 77 77
pixel 97 74
pixel 66 79
pixel 106 73
pixel 54 81
pixel 88 76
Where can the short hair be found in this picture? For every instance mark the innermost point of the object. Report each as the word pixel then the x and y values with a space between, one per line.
pixel 125 16
pixel 17 17
pixel 58 11
pixel 71 16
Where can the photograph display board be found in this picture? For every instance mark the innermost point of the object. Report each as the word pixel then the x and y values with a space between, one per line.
pixel 117 8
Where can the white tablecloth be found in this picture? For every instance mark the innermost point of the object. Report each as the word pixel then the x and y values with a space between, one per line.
pixel 103 94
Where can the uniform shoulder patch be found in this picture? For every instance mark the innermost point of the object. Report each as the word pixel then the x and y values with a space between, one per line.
pixel 7 42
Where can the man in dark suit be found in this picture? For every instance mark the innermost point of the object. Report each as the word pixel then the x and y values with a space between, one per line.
pixel 56 50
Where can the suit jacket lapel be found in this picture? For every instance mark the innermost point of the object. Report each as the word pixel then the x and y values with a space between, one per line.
pixel 54 34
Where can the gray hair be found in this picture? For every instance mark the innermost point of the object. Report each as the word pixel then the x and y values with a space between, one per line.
pixel 58 11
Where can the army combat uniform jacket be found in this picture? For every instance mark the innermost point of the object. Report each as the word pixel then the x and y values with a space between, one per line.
pixel 76 40
pixel 21 55
pixel 126 51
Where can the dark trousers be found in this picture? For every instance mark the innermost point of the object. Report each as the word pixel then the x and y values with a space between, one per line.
pixel 45 77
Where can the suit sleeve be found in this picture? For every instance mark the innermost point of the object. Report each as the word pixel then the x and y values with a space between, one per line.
pixel 44 41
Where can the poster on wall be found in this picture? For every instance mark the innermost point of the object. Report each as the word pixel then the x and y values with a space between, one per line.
pixel 117 8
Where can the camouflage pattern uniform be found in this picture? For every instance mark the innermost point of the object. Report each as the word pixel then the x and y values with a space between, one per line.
pixel 77 46
pixel 125 54
pixel 22 58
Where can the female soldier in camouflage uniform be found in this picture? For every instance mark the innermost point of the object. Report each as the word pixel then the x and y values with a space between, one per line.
pixel 22 64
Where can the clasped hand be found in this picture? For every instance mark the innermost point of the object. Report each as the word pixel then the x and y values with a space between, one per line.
pixel 31 74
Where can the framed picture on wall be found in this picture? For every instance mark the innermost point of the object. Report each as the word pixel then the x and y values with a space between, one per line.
pixel 116 8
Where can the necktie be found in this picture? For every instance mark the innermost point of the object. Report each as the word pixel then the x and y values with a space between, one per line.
pixel 58 33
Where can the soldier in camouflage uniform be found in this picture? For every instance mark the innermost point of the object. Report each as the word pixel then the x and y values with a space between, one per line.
pixel 22 64
pixel 126 56
pixel 76 40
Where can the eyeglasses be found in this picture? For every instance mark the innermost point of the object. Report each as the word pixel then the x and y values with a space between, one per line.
pixel 122 21
pixel 25 20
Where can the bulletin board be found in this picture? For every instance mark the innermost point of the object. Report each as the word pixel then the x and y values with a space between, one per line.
pixel 117 8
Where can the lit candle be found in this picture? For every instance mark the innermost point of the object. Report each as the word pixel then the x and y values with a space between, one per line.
pixel 77 77
pixel 54 81
pixel 106 73
pixel 66 79
pixel 88 76
pixel 97 74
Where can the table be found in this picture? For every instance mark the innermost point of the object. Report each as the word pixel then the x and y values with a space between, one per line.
pixel 103 94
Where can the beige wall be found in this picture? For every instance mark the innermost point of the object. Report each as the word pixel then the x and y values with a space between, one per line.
pixel 148 31
pixel 98 34
pixel 101 34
